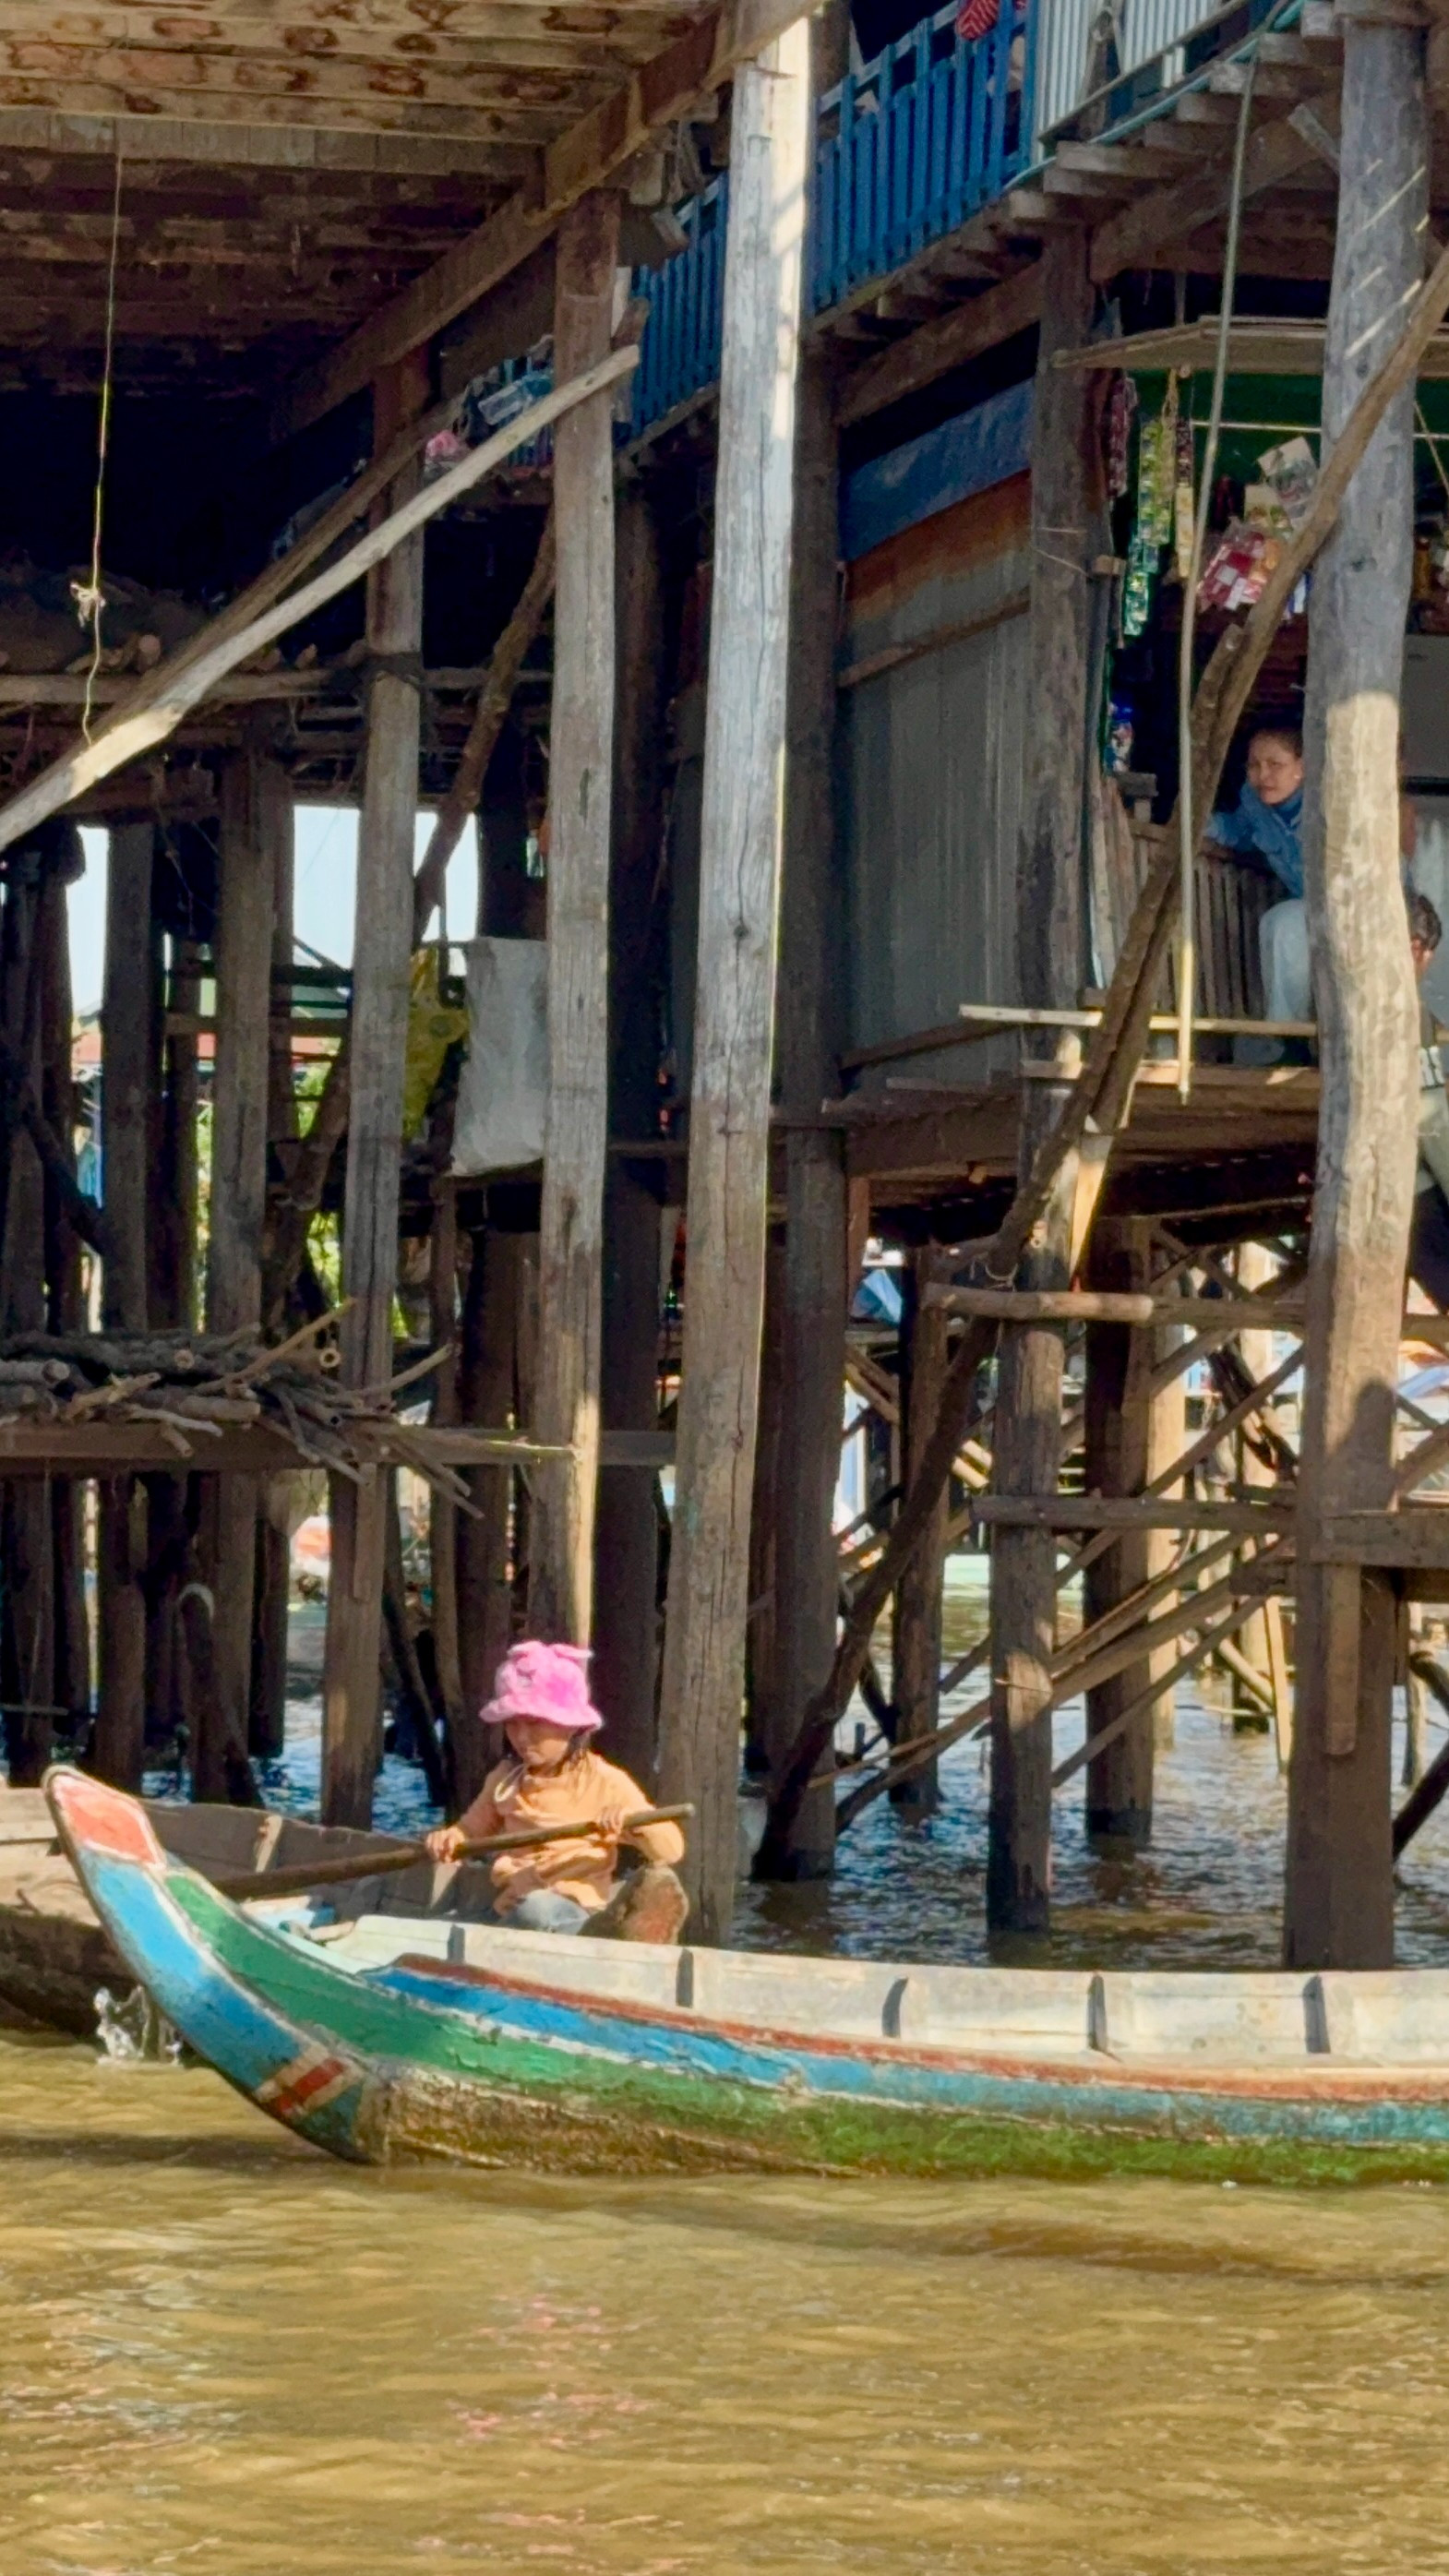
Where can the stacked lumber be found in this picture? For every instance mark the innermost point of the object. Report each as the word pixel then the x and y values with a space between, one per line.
pixel 193 1387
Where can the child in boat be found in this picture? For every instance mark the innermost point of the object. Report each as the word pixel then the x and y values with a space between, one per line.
pixel 553 1776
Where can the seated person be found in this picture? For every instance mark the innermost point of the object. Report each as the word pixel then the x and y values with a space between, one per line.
pixel 1429 1241
pixel 1266 825
pixel 554 1777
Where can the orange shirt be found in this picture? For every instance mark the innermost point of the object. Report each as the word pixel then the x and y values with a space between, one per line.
pixel 511 1799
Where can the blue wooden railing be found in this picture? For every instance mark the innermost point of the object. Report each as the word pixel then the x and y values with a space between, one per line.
pixel 906 150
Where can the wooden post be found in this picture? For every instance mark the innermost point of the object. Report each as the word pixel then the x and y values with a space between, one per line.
pixel 487 1395
pixel 813 1286
pixel 253 813
pixel 64 1289
pixel 268 1729
pixel 1339 1900
pixel 704 1645
pixel 1065 504
pixel 443 1513
pixel 27 1635
pixel 626 1536
pixel 127 1037
pixel 561 1574
pixel 1166 1441
pixel 1118 1432
pixel 1254 1270
pixel 763 1587
pixel 916 1682
pixel 351 1682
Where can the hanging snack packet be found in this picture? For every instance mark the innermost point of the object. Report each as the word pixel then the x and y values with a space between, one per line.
pixel 1183 507
pixel 1289 472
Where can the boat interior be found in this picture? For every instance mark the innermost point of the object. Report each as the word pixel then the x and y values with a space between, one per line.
pixel 1244 2019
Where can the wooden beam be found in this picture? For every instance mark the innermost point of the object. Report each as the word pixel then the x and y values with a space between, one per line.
pixel 1134 238
pixel 111 95
pixel 1339 1903
pixel 378 1045
pixel 148 142
pixel 587 156
pixel 571 1229
pixel 1111 1306
pixel 100 1447
pixel 1126 1512
pixel 244 628
pixel 952 340
pixel 702 1685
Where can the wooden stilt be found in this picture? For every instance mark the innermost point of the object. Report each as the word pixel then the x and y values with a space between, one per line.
pixel 27 1629
pixel 916 1687
pixel 351 1679
pixel 1255 1270
pixel 561 1571
pixel 253 812
pixel 1338 1909
pixel 486 1394
pixel 1026 1459
pixel 760 1655
pixel 267 1734
pixel 813 1309
pixel 64 1293
pixel 443 1513
pixel 267 1719
pixel 626 1536
pixel 1118 1461
pixel 127 1035
pixel 704 1650
pixel 1166 1441
pixel 1065 504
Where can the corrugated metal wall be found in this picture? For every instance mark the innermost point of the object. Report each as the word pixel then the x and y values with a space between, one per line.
pixel 1144 28
pixel 930 803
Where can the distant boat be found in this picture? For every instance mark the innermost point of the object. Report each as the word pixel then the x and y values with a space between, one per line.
pixel 392 2040
pixel 54 1951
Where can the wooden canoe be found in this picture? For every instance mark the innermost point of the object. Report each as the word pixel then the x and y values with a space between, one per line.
pixel 397 2040
pixel 55 1953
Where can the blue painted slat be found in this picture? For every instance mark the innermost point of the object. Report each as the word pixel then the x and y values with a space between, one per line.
pixel 932 473
pixel 922 137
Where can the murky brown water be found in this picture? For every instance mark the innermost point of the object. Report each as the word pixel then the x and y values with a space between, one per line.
pixel 219 2352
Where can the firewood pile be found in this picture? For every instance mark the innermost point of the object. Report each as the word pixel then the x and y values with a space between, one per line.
pixel 194 1387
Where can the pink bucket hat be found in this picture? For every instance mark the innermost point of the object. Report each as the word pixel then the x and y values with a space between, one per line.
pixel 547 1682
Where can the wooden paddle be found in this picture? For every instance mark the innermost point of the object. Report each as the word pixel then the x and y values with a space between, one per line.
pixel 363 1864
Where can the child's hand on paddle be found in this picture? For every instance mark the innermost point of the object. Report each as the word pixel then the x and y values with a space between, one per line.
pixel 609 1827
pixel 445 1842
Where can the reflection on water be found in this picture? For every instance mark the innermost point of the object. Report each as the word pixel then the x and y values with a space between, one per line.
pixel 221 2352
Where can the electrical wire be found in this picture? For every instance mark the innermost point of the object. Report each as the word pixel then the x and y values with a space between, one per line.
pixel 90 600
